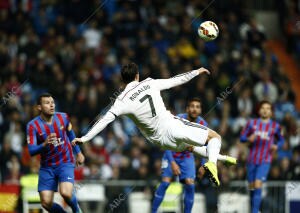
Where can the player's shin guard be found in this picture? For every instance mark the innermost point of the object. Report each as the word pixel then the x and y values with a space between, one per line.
pixel 213 149
pixel 57 209
pixel 189 191
pixel 159 195
pixel 255 200
pixel 73 203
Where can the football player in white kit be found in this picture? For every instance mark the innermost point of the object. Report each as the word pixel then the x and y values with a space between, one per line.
pixel 142 102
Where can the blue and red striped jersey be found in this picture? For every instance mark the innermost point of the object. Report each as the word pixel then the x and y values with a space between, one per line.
pixel 184 154
pixel 267 134
pixel 58 152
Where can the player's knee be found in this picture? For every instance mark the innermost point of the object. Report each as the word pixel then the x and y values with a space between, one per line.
pixel 46 204
pixel 166 179
pixel 213 134
pixel 257 184
pixel 66 194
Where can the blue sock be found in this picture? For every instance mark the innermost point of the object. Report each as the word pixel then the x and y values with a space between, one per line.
pixel 189 190
pixel 256 200
pixel 73 203
pixel 251 197
pixel 57 209
pixel 159 195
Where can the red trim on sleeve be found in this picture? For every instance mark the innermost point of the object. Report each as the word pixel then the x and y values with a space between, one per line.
pixel 39 129
pixel 71 152
pixel 31 135
pixel 251 149
pixel 247 126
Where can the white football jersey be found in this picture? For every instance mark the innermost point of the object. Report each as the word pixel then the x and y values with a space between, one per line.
pixel 142 102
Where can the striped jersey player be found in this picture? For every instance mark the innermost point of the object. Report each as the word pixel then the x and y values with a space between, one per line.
pixel 264 137
pixel 142 102
pixel 50 135
pixel 60 150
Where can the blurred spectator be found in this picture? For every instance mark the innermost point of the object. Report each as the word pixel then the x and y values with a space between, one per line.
pixel 92 36
pixel 16 138
pixel 13 174
pixel 5 155
pixel 285 169
pixel 244 102
pixel 265 89
pixel 96 151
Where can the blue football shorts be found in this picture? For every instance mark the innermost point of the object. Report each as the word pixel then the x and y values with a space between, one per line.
pixel 49 177
pixel 257 172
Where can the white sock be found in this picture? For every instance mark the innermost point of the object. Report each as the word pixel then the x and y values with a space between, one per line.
pixel 213 149
pixel 202 152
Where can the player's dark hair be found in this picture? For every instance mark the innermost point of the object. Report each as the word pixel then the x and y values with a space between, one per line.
pixel 41 96
pixel 265 102
pixel 128 72
pixel 194 99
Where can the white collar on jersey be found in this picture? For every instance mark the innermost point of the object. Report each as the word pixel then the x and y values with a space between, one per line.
pixel 132 84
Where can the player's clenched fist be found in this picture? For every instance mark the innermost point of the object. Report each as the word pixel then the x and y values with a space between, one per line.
pixel 252 138
pixel 203 70
pixel 79 159
pixel 51 139
pixel 76 141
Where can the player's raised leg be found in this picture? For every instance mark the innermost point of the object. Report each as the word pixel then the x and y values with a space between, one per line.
pixel 213 150
pixel 201 151
pixel 194 134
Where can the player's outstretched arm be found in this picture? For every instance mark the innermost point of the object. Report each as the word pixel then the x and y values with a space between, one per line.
pixel 96 128
pixel 177 80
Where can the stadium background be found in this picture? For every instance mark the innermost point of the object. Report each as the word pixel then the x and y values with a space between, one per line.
pixel 74 49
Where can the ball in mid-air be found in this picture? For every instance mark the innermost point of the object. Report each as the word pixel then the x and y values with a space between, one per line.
pixel 208 31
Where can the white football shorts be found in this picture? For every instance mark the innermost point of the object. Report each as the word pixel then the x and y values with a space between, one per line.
pixel 180 133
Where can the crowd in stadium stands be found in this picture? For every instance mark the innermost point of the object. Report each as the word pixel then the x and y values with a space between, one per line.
pixel 62 47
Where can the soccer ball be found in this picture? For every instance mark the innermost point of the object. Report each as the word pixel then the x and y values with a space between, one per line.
pixel 208 31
